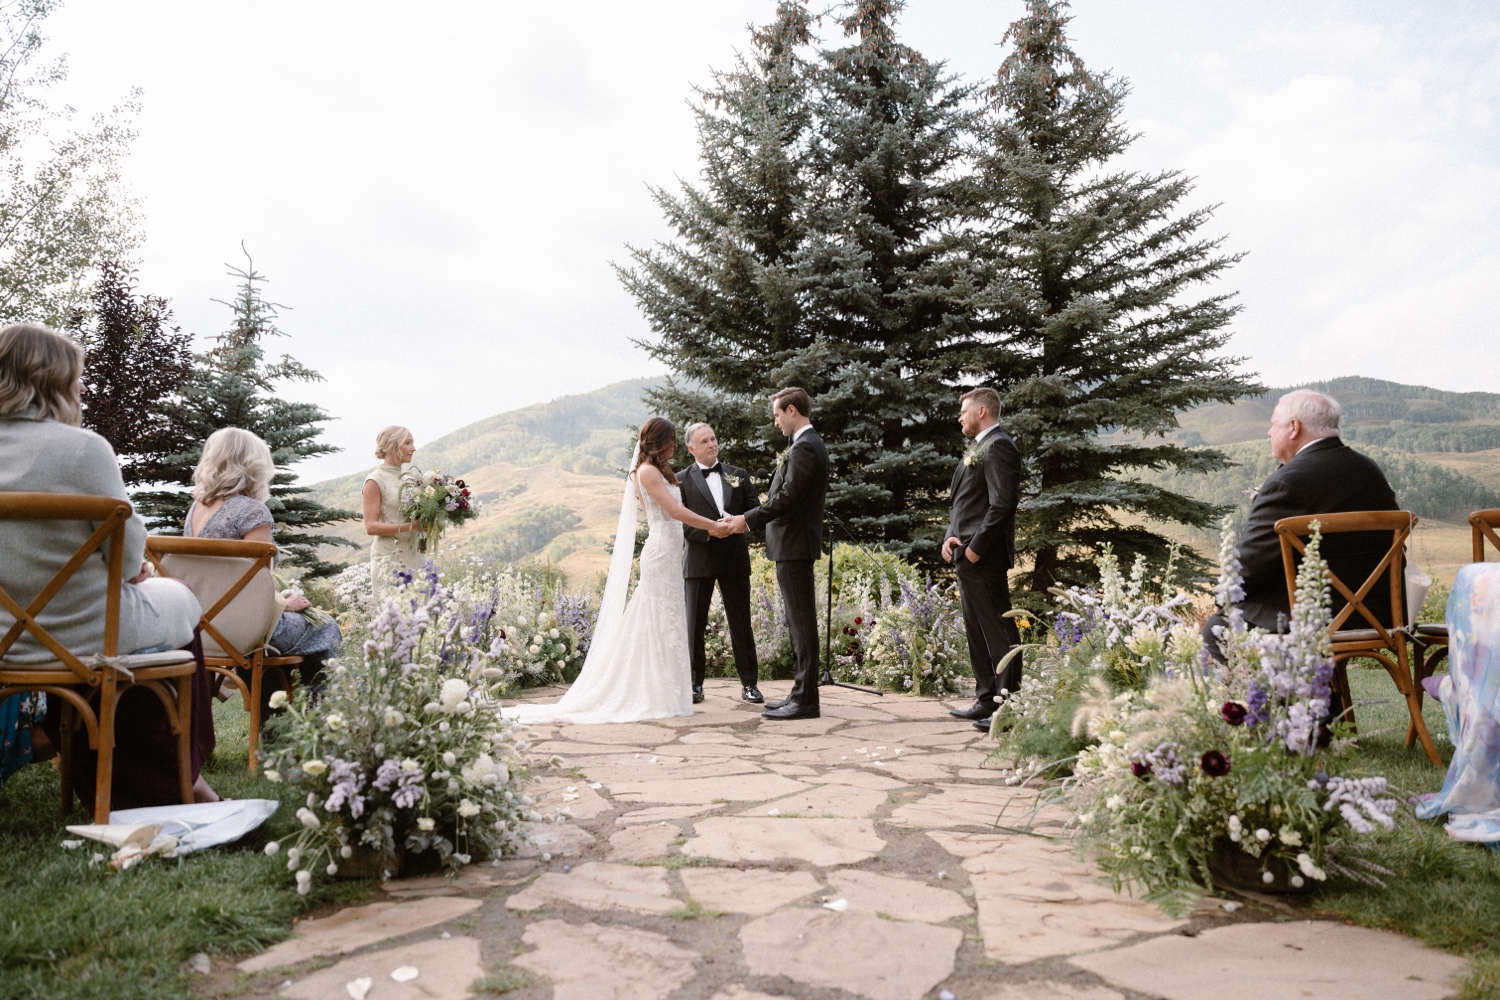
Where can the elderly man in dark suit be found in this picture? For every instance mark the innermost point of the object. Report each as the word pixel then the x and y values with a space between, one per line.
pixel 715 490
pixel 981 543
pixel 1319 474
pixel 793 518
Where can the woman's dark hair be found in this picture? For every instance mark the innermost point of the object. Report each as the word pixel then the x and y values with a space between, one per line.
pixel 658 438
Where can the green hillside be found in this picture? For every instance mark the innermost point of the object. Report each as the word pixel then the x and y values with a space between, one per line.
pixel 1410 418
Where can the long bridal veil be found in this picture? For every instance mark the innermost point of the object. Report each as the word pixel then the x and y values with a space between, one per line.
pixel 617 584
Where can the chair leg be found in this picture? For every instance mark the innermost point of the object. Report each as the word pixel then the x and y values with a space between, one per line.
pixel 1341 685
pixel 1402 673
pixel 257 681
pixel 1425 664
pixel 185 738
pixel 65 754
pixel 105 768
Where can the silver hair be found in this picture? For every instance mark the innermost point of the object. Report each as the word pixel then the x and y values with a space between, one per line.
pixel 1318 413
pixel 692 429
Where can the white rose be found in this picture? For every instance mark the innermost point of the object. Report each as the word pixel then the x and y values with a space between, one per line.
pixel 555 634
pixel 314 767
pixel 467 809
pixel 535 650
pixel 278 699
pixel 425 824
pixel 454 691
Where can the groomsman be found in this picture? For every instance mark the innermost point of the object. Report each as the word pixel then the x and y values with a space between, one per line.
pixel 793 518
pixel 714 490
pixel 981 543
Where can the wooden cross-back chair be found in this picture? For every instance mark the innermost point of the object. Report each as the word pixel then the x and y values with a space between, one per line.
pixel 89 687
pixel 232 581
pixel 1432 640
pixel 1366 635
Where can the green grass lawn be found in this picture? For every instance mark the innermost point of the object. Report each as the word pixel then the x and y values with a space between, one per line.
pixel 80 932
pixel 1442 892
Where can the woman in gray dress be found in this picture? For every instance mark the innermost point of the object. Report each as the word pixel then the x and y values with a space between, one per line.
pixel 230 487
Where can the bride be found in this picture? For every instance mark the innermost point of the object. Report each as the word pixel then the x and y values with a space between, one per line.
pixel 637 666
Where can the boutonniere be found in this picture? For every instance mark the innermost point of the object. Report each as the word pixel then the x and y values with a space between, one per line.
pixel 733 481
pixel 781 457
pixel 974 454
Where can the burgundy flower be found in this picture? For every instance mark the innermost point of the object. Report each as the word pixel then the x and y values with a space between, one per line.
pixel 859 621
pixel 459 483
pixel 1214 764
pixel 1233 713
pixel 1140 768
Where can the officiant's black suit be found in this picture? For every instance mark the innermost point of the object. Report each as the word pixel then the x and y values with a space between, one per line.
pixel 793 518
pixel 1326 477
pixel 983 517
pixel 724 561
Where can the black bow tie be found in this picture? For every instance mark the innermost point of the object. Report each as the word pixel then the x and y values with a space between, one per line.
pixel 716 467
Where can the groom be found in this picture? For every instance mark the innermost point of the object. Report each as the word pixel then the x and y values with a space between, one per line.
pixel 793 518
pixel 714 490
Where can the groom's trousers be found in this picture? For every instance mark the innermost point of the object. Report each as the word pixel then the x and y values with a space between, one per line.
pixel 985 593
pixel 795 578
pixel 735 589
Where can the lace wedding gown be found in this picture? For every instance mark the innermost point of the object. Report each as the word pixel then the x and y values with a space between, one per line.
pixel 640 669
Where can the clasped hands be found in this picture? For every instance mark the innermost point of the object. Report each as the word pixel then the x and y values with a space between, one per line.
pixel 731 524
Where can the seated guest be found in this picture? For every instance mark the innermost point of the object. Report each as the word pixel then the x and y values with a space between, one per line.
pixel 1319 474
pixel 230 487
pixel 43 449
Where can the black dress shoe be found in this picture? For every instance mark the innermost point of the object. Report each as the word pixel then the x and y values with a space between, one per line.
pixel 791 710
pixel 697 695
pixel 982 726
pixel 752 694
pixel 976 712
pixel 778 703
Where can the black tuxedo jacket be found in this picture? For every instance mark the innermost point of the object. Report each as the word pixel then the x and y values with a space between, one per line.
pixel 984 498
pixel 793 512
pixel 1328 477
pixel 705 555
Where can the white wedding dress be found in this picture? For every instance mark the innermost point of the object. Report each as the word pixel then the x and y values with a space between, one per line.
pixel 637 666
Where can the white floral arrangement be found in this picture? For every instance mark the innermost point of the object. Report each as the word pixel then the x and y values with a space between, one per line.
pixel 405 751
pixel 1208 762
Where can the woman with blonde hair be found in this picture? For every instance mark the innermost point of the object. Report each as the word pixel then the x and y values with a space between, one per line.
pixel 230 488
pixel 395 544
pixel 44 449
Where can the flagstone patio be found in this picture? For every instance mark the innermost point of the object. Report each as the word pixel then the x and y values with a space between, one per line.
pixel 867 854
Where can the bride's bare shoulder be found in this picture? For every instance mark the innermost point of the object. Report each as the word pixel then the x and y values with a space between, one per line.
pixel 648 475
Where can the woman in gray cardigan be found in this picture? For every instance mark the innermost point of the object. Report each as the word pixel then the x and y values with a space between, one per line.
pixel 43 449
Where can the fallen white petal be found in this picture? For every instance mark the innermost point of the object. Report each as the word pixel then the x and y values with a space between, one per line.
pixel 358 988
pixel 773 812
pixel 404 974
pixel 837 906
pixel 72 845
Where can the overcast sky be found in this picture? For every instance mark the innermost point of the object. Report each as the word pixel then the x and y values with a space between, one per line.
pixel 438 190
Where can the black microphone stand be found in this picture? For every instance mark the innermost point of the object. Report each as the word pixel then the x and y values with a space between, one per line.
pixel 826 679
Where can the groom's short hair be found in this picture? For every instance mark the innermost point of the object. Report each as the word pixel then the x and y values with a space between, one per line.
pixel 693 428
pixel 986 397
pixel 793 396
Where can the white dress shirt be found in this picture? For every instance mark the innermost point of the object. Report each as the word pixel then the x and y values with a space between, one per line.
pixel 715 486
pixel 985 433
pixel 804 430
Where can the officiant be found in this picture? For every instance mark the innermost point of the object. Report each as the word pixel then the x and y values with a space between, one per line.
pixel 713 490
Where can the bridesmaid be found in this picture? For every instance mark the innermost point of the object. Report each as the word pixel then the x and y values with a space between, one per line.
pixel 395 540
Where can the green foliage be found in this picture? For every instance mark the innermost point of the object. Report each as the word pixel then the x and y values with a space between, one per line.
pixel 235 385
pixel 63 206
pixel 531 530
pixel 135 361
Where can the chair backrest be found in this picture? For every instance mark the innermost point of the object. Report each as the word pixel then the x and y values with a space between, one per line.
pixel 1398 522
pixel 111 515
pixel 1483 524
pixel 232 581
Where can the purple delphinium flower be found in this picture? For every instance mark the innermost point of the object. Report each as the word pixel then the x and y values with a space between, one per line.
pixel 1257 708
pixel 347 781
pixel 404 785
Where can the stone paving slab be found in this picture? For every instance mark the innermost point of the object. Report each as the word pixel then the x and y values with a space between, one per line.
pixel 1316 959
pixel 1047 990
pixel 662 769
pixel 642 733
pixel 656 814
pixel 820 842
pixel 445 971
pixel 896 898
pixel 824 800
pixel 600 885
pixel 354 928
pixel 601 962
pixel 643 842
pixel 856 952
pixel 560 840
pixel 701 791
pixel 569 796
pixel 756 892
pixel 858 779
pixel 969 805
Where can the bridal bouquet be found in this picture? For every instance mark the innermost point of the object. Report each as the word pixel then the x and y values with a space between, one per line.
pixel 435 502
